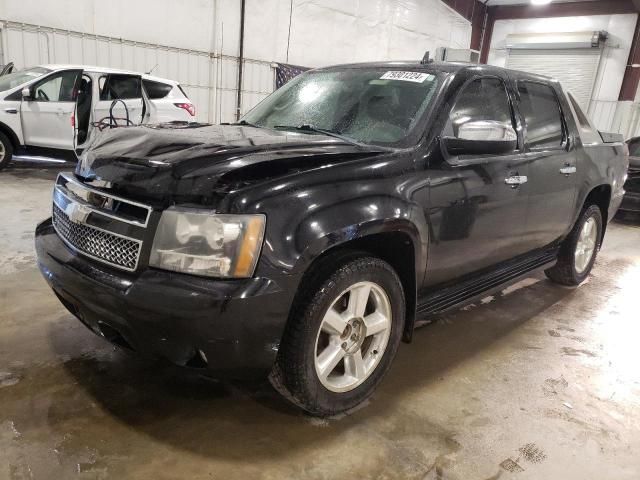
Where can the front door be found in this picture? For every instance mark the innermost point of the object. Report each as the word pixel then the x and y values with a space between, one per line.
pixel 552 164
pixel 477 203
pixel 47 114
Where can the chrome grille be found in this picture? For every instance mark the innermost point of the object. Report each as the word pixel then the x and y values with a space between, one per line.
pixel 103 246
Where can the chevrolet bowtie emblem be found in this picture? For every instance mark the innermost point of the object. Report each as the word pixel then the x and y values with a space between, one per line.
pixel 77 213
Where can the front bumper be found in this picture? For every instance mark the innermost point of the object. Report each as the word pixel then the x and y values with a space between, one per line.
pixel 231 328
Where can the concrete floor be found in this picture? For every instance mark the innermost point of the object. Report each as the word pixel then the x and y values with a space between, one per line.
pixel 540 382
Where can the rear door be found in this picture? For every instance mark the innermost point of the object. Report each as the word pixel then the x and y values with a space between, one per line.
pixel 83 111
pixel 127 90
pixel 46 116
pixel 552 163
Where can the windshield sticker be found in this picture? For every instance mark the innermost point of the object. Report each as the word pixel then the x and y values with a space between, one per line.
pixel 416 77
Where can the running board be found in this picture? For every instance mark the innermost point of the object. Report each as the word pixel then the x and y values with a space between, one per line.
pixel 459 294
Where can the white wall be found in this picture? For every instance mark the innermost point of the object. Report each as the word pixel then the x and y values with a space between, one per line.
pixel 311 33
pixel 325 32
pixel 315 33
pixel 322 31
pixel 177 23
pixel 621 28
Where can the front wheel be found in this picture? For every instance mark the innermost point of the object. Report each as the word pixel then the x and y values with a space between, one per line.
pixel 342 337
pixel 6 150
pixel 579 250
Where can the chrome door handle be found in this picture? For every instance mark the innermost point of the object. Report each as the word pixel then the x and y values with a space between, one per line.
pixel 11 110
pixel 568 170
pixel 516 180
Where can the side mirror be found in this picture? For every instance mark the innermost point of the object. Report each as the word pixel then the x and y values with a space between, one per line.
pixel 26 93
pixel 482 137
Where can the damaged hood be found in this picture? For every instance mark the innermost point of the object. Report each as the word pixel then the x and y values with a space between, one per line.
pixel 190 162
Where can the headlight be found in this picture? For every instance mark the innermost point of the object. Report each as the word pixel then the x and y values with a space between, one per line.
pixel 204 243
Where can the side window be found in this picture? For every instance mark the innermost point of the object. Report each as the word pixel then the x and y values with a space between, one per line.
pixel 156 90
pixel 484 99
pixel 59 87
pixel 122 87
pixel 542 115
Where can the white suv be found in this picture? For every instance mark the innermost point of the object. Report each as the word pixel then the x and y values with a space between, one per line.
pixel 54 109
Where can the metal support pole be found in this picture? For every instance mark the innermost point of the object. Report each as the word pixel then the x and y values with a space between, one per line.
pixel 240 61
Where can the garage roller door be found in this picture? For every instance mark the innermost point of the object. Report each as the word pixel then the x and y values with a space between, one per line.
pixel 576 68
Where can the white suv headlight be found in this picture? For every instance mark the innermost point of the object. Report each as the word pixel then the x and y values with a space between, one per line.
pixel 205 243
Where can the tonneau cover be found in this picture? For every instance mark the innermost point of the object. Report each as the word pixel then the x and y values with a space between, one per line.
pixel 611 137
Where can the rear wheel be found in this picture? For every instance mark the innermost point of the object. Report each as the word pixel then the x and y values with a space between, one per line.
pixel 6 150
pixel 341 338
pixel 579 250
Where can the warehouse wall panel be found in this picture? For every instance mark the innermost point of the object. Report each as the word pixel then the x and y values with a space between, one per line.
pixel 196 42
pixel 180 23
pixel 328 31
pixel 603 103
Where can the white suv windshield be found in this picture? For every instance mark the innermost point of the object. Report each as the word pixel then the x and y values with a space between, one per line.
pixel 378 105
pixel 7 82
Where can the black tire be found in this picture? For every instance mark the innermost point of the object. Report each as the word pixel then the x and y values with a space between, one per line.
pixel 6 150
pixel 564 272
pixel 294 373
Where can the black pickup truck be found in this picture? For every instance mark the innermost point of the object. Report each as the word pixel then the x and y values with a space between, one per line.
pixel 303 241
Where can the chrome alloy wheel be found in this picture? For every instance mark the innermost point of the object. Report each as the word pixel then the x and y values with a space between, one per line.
pixel 353 337
pixel 586 246
pixel 2 152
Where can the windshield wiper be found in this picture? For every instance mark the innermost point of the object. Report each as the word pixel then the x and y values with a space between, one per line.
pixel 244 123
pixel 305 127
